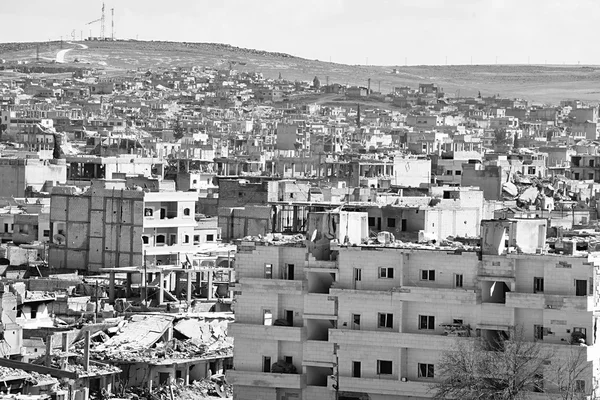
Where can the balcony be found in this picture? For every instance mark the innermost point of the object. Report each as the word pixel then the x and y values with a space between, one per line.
pixel 424 341
pixel 273 285
pixel 319 306
pixel 319 392
pixel 525 300
pixel 496 316
pixel 550 301
pixel 318 354
pixel 155 222
pixel 266 379
pixel 267 332
pixel 435 295
pixel 320 265
pixel 384 386
pixel 497 267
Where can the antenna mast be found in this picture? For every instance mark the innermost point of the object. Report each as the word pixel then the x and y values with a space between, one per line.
pixel 102 23
pixel 112 31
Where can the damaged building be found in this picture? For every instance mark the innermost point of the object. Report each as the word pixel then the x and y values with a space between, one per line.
pixel 323 318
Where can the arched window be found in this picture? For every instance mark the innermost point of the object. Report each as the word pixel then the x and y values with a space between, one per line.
pixel 160 239
pixel 145 239
pixel 186 211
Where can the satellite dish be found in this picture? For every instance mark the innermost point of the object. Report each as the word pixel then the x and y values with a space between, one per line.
pixel 59 239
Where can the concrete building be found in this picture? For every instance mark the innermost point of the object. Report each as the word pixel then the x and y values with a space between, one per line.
pixel 110 225
pixel 372 321
pixel 17 175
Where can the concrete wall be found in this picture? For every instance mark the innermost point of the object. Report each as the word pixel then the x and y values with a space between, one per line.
pixel 16 175
pixel 489 180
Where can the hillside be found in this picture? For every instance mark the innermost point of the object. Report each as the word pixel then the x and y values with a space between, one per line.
pixel 542 83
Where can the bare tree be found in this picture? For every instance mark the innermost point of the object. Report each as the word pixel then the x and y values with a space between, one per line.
pixel 503 367
pixel 567 376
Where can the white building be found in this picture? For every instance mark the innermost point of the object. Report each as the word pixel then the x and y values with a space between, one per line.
pixel 380 317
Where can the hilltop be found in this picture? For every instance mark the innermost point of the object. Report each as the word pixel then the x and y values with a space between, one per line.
pixel 544 83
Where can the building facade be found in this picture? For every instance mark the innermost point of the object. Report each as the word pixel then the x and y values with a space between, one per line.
pixel 373 321
pixel 113 226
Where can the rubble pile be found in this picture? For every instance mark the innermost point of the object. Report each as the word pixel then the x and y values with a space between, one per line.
pixel 35 378
pixel 210 388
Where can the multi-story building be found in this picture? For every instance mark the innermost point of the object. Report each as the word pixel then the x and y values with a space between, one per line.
pixel 111 225
pixel 373 321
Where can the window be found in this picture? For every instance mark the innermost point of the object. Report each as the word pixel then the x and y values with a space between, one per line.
pixel 458 280
pixel 391 222
pixel 268 271
pixel 210 238
pixel 356 367
pixel 426 322
pixel 148 212
pixel 448 172
pixel 425 370
pixel 288 360
pixel 46 233
pixel 355 322
pixel 371 221
pixel 266 364
pixel 186 212
pixel 160 239
pixel 196 239
pixel 173 239
pixel 357 274
pixel 386 320
pixel 186 238
pixel 580 287
pixel 579 385
pixel 538 285
pixel 428 275
pixel 538 332
pixel 145 239
pixel 458 321
pixel 384 367
pixel 458 173
pixel 33 312
pixel 267 317
pixel 386 272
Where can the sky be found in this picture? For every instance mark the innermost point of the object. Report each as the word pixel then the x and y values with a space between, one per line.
pixel 374 32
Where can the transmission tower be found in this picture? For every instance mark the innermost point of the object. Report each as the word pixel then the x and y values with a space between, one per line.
pixel 102 23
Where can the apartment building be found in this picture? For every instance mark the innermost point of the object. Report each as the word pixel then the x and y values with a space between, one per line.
pixel 111 225
pixel 320 321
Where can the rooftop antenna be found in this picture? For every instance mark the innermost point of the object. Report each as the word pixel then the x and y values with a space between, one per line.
pixel 112 22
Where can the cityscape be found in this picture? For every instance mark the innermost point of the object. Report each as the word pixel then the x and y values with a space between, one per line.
pixel 194 220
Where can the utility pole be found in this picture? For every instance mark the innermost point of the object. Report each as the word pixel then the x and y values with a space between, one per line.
pixel 96 308
pixel 337 371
